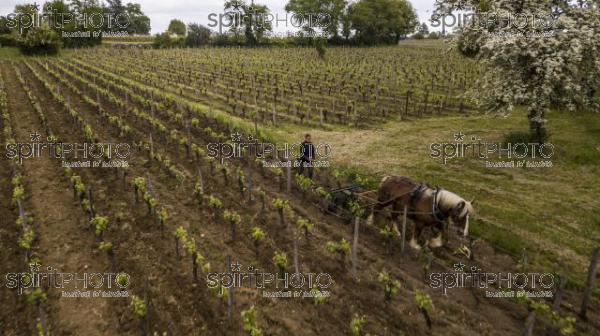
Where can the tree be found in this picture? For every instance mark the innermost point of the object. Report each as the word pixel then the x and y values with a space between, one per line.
pixel 4 28
pixel 58 9
pixel 424 29
pixel 40 41
pixel 176 27
pixel 197 35
pixel 19 21
pixel 382 21
pixel 552 63
pixel 128 17
pixel 331 14
pixel 253 19
pixel 139 23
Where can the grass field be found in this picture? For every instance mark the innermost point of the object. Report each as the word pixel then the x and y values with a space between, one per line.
pixel 550 212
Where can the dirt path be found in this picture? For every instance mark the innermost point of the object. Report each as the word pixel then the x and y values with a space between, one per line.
pixel 59 222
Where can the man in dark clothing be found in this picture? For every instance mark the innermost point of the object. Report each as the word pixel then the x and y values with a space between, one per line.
pixel 307 156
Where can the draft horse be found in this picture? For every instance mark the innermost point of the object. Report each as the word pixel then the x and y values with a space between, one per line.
pixel 427 207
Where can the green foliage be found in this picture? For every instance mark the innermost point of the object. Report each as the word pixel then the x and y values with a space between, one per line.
pixel 204 265
pixel 356 325
pixel 197 36
pixel 99 224
pixel 257 234
pixel 35 295
pixel 165 41
pixel 280 260
pixel 387 232
pixel 26 240
pixel 105 246
pixel 322 192
pixel 332 9
pixel 280 204
pixel 176 27
pixel 249 321
pixel 382 21
pixel 303 182
pixel 214 202
pixel 180 233
pixel 18 194
pixel 318 297
pixel 89 133
pixel 189 244
pixel 163 215
pixel 304 224
pixel 356 209
pixel 40 41
pixel 390 286
pixel 232 217
pixel 138 305
pixel 140 183
pixel 423 301
pixel 253 29
pixel 342 248
pixel 320 46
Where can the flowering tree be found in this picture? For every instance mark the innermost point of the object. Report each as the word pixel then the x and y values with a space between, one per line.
pixel 547 56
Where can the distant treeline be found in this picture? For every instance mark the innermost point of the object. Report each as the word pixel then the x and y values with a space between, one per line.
pixel 339 22
pixel 71 24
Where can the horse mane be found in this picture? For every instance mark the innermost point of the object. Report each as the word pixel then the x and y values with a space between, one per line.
pixel 448 200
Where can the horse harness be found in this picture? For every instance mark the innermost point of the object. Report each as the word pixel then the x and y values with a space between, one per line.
pixel 415 196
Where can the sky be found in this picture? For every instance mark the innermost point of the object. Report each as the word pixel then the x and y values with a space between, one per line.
pixel 162 11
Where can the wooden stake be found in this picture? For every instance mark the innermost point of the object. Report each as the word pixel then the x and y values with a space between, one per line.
pixel 296 266
pixel 355 245
pixel 587 294
pixel 404 213
pixel 230 294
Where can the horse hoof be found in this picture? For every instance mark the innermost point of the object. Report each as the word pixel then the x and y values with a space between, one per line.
pixel 436 242
pixel 413 243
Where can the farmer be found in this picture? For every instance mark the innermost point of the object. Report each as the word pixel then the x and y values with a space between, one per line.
pixel 306 157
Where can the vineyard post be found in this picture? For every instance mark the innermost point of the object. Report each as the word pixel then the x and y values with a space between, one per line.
pixel 22 215
pixel 403 238
pixel 296 266
pixel 289 173
pixel 562 281
pixel 587 294
pixel 355 245
pixel 146 319
pixel 98 99
pixel 249 181
pixel 200 179
pixel 406 105
pixel 230 292
pixel 471 244
pixel 90 194
pixel 529 323
pixel 42 316
pixel 320 113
